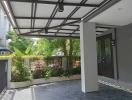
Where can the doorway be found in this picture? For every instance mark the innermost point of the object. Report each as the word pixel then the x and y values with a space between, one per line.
pixel 105 56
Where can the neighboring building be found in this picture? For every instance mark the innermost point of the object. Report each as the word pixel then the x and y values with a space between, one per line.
pixel 4 27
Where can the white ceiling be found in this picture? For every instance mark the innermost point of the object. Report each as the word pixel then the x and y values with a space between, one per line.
pixel 119 14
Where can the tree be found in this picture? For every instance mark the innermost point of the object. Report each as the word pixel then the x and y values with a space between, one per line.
pixel 18 42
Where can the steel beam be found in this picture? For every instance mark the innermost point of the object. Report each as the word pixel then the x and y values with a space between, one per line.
pixel 43 28
pixel 54 3
pixel 50 36
pixel 46 18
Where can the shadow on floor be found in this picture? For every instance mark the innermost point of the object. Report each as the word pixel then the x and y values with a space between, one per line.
pixel 71 90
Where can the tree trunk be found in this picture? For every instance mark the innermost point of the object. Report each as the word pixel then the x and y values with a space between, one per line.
pixel 64 47
pixel 70 53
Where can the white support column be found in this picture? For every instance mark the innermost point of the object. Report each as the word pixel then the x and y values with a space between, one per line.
pixel 89 76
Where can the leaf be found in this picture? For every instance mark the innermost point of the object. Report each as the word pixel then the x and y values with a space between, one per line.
pixel 28 49
pixel 18 52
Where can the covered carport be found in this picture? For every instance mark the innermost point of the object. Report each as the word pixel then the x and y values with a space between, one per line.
pixel 68 19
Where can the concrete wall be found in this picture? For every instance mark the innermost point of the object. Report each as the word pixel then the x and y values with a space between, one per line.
pixel 124 52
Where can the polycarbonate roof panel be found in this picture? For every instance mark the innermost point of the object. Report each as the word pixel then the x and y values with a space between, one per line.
pixel 44 10
pixel 40 23
pixel 37 17
pixel 25 30
pixel 24 22
pixel 21 9
pixel 73 1
pixel 55 22
pixel 95 1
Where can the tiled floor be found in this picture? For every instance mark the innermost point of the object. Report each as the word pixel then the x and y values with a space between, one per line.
pixel 67 90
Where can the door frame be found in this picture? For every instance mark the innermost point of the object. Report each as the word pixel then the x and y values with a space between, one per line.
pixel 114 50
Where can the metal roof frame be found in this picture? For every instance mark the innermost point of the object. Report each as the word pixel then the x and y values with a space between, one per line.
pixel 96 9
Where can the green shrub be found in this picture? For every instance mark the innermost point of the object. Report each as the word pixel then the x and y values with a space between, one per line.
pixel 76 71
pixel 72 71
pixel 52 72
pixel 57 72
pixel 47 73
pixel 37 74
pixel 20 72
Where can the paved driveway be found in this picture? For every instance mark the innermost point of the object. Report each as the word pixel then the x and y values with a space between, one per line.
pixel 67 90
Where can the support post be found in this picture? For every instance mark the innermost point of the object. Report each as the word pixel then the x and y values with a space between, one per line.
pixel 27 62
pixel 89 76
pixel 9 72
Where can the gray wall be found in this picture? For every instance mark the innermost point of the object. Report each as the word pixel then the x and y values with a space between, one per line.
pixel 3 75
pixel 124 52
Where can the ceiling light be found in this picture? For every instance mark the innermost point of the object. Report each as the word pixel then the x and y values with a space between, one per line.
pixel 46 31
pixel 60 7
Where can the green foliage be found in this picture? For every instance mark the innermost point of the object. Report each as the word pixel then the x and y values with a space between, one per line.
pixel 17 52
pixel 18 42
pixel 20 72
pixel 38 74
pixel 48 73
pixel 55 72
pixel 72 71
pixel 42 47
pixel 75 70
pixel 45 47
pixel 76 47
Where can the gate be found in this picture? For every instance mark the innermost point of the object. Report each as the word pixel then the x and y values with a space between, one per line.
pixel 3 75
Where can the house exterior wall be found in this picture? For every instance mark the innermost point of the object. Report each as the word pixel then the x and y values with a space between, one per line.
pixel 124 52
pixel 4 27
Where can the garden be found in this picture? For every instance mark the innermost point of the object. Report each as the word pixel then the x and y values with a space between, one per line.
pixel 43 58
pixel 29 68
